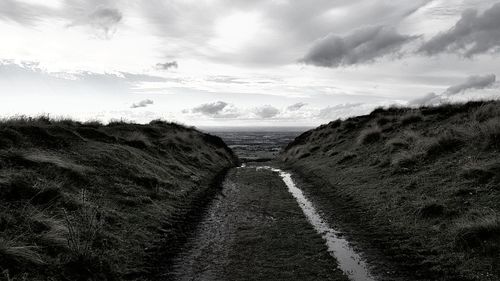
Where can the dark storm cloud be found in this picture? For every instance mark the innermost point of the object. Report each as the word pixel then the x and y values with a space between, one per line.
pixel 473 34
pixel 288 27
pixel 475 82
pixel 167 65
pixel 297 106
pixel 472 82
pixel 142 103
pixel 302 22
pixel 360 46
pixel 266 111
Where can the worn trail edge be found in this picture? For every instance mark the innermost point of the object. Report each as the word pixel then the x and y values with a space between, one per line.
pixel 255 230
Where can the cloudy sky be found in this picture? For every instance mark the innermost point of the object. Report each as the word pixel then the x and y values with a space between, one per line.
pixel 243 62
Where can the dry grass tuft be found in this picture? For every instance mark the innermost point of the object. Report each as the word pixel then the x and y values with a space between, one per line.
pixel 93 124
pixel 482 173
pixel 53 159
pixel 22 254
pixel 431 209
pixel 446 142
pixel 403 141
pixel 486 112
pixel 83 227
pixel 410 118
pixel 138 139
pixel 476 232
pixel 346 156
pixel 55 233
pixel 370 135
pixel 489 133
pixel 405 160
pixel 383 120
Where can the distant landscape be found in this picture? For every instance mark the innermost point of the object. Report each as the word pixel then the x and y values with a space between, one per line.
pixel 257 143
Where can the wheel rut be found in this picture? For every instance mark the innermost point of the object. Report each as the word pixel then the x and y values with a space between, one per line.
pixel 258 229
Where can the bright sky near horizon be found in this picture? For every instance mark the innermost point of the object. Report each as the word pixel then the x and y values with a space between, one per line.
pixel 242 62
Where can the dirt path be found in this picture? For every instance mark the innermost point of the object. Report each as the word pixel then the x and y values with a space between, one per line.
pixel 256 230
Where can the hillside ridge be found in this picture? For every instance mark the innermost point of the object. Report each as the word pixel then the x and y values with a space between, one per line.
pixel 86 200
pixel 416 187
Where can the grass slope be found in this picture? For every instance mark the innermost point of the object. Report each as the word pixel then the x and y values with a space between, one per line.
pixel 93 202
pixel 422 186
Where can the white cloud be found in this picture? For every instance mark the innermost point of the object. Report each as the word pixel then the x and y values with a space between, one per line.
pixel 339 111
pixel 296 106
pixel 142 103
pixel 105 20
pixel 217 109
pixel 266 111
pixel 210 108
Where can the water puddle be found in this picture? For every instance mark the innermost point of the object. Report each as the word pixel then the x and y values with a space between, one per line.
pixel 349 261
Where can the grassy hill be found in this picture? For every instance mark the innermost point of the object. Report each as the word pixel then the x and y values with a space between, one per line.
pixel 94 202
pixel 421 186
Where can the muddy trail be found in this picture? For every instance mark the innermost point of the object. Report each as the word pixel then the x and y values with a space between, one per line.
pixel 262 227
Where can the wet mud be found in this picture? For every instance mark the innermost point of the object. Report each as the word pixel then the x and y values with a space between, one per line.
pixel 255 230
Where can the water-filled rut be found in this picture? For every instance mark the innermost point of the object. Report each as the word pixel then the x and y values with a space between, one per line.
pixel 349 261
pixel 255 230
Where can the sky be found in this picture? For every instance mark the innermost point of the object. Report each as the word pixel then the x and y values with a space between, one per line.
pixel 243 62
